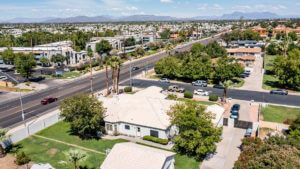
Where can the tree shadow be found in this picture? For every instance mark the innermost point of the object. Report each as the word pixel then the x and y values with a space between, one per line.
pixel 14 148
pixel 86 167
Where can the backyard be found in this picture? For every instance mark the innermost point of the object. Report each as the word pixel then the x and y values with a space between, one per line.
pixel 50 145
pixel 278 114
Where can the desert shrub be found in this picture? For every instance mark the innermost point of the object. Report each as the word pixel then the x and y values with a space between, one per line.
pixel 22 159
pixel 172 96
pixel 188 95
pixel 95 64
pixel 156 140
pixel 81 66
pixel 128 89
pixel 213 97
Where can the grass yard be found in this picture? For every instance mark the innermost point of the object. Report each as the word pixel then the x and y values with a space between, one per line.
pixel 270 82
pixel 44 151
pixel 69 75
pixel 61 131
pixel 278 114
pixel 269 59
pixel 200 102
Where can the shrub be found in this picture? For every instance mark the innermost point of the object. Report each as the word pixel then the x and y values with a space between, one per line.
pixel 71 69
pixel 156 140
pixel 288 121
pixel 81 66
pixel 128 89
pixel 95 64
pixel 172 97
pixel 22 159
pixel 213 97
pixel 188 95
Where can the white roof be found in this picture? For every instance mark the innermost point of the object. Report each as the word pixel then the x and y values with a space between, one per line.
pixel 146 108
pixel 42 166
pixel 217 111
pixel 134 156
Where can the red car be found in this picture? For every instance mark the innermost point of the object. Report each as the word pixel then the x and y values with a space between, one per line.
pixel 48 100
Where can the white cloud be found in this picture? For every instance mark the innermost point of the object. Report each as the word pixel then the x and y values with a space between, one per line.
pixel 281 7
pixel 131 8
pixel 166 1
pixel 202 7
pixel 217 7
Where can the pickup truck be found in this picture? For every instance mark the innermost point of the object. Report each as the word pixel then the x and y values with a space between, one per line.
pixel 175 88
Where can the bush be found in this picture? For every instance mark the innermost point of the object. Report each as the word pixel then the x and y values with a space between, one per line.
pixel 95 64
pixel 213 97
pixel 22 159
pixel 81 66
pixel 172 97
pixel 156 140
pixel 71 69
pixel 128 89
pixel 188 95
pixel 288 121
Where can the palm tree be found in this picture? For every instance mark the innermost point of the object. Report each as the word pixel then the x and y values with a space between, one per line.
pixel 284 45
pixel 226 84
pixel 106 60
pixel 119 64
pixel 169 48
pixel 3 137
pixel 74 156
pixel 113 67
pixel 91 55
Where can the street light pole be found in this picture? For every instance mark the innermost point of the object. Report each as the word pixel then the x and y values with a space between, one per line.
pixel 20 94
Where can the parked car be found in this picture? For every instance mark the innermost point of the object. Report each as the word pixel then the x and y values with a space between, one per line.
pixel 235 107
pixel 201 83
pixel 247 74
pixel 2 78
pixel 280 92
pixel 175 88
pixel 235 115
pixel 219 86
pixel 48 100
pixel 243 76
pixel 201 92
pixel 4 70
pixel 164 80
pixel 135 68
pixel 248 132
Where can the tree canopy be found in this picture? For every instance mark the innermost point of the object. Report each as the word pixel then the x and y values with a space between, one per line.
pixel 25 64
pixel 8 56
pixel 85 114
pixel 103 47
pixel 197 134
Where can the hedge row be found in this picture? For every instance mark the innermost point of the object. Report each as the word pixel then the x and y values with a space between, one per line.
pixel 156 140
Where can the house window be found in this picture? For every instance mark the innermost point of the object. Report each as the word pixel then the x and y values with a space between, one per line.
pixel 154 133
pixel 139 129
pixel 109 127
pixel 127 127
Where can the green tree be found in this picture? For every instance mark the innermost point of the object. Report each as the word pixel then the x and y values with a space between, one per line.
pixel 103 47
pixel 293 36
pixel 284 45
pixel 288 69
pixel 8 56
pixel 44 61
pixel 214 50
pixel 272 49
pixel 130 41
pixel 3 137
pixel 74 156
pixel 79 41
pixel 25 64
pixel 165 34
pixel 226 69
pixel 139 51
pixel 227 84
pixel 85 114
pixel 58 59
pixel 197 134
pixel 168 67
pixel 195 67
pixel 91 55
pixel 197 49
pixel 169 47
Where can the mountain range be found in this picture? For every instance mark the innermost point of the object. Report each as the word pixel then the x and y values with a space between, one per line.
pixel 140 18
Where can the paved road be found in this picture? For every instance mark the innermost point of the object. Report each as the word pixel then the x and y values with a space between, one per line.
pixel 248 95
pixel 10 111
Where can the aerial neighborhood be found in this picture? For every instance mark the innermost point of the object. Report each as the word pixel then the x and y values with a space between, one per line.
pixel 143 91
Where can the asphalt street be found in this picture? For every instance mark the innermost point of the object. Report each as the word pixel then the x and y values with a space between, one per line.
pixel 10 110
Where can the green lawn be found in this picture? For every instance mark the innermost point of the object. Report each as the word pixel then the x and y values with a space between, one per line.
pixel 66 75
pixel 270 82
pixel 200 102
pixel 269 59
pixel 61 131
pixel 278 114
pixel 44 151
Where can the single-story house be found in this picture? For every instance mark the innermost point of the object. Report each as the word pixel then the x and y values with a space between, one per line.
pixel 141 114
pixel 234 52
pixel 247 61
pixel 134 156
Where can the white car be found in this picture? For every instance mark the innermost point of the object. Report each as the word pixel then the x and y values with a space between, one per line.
pixel 164 80
pixel 3 78
pixel 201 92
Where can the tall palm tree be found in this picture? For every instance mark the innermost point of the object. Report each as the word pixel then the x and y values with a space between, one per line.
pixel 226 84
pixel 119 64
pixel 284 45
pixel 3 137
pixel 169 48
pixel 107 62
pixel 91 55
pixel 113 67
pixel 74 156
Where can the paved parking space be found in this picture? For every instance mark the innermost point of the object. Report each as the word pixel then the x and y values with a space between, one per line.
pixel 254 81
pixel 244 109
pixel 228 150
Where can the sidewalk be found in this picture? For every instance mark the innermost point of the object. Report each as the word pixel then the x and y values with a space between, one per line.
pixel 137 139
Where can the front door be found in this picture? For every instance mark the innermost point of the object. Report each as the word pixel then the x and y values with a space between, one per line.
pixel 115 129
pixel 138 131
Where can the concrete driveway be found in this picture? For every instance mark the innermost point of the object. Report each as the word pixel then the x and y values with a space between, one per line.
pixel 228 150
pixel 254 81
pixel 244 109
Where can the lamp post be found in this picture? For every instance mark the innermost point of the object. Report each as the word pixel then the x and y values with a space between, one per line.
pixel 20 95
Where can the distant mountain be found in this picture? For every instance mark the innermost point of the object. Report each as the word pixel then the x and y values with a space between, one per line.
pixel 133 18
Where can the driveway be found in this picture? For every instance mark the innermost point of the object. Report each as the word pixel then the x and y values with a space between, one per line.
pixel 244 109
pixel 254 81
pixel 228 150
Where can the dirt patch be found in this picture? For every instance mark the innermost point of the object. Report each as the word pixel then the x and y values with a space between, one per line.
pixel 45 144
pixel 52 151
pixel 7 162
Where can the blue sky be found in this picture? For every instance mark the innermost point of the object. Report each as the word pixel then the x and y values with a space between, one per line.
pixel 178 8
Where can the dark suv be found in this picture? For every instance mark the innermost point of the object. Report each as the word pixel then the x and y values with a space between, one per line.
pixel 280 92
